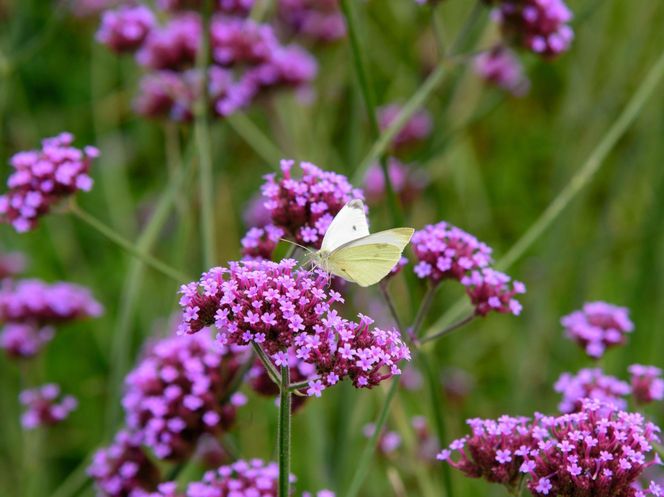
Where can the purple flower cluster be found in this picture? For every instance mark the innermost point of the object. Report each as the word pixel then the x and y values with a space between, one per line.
pixel 24 340
pixel 447 252
pixel 247 59
pixel 319 20
pixel 492 291
pixel 279 308
pixel 33 301
pixel 501 68
pixel 259 243
pixel 123 469
pixel 304 207
pixel 540 26
pixel 45 406
pixel 599 451
pixel 11 264
pixel 388 441
pixel 180 391
pixel 598 326
pixel 592 384
pixel 416 129
pixel 407 181
pixel 251 478
pixel 43 178
pixel 647 383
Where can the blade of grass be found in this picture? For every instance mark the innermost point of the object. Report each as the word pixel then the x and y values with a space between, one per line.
pixel 256 139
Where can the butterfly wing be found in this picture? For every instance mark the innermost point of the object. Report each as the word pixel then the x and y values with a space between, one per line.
pixel 348 225
pixel 368 260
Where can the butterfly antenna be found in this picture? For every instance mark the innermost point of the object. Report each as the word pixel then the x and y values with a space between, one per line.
pixel 307 249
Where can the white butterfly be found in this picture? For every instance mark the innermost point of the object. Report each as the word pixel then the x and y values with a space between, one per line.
pixel 352 253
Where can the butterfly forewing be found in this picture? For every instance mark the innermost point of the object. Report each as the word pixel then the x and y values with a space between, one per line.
pixel 348 225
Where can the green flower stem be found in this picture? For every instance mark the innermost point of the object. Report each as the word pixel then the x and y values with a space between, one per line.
pixel 75 482
pixel 370 102
pixel 126 245
pixel 427 300
pixel 390 305
pixel 576 184
pixel 256 139
pixel 267 363
pixel 284 433
pixel 449 329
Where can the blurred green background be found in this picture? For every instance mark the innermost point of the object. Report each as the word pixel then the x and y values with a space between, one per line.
pixel 495 162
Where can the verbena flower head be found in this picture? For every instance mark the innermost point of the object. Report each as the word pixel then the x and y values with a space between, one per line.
pixel 427 444
pixel 251 478
pixel 304 207
pixel 407 181
pixel 34 301
pixel 495 450
pixel 319 20
pixel 647 383
pixel 600 451
pixel 501 68
pixel 179 392
pixel 447 252
pixel 592 384
pixel 259 243
pixel 11 264
pixel 279 308
pixel 416 129
pixel 492 291
pixel 598 326
pixel 123 469
pixel 388 441
pixel 173 45
pixel 41 178
pixel 540 26
pixel 45 406
pixel 24 340
pixel 124 29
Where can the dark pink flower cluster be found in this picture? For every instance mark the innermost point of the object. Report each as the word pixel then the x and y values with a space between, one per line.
pixel 598 452
pixel 647 383
pixel 591 384
pixel 492 291
pixel 416 130
pixel 407 181
pixel 24 340
pixel 125 29
pixel 447 252
pixel 123 469
pixel 44 177
pixel 259 243
pixel 11 264
pixel 180 391
pixel 253 478
pixel 279 308
pixel 427 444
pixel 598 326
pixel 45 406
pixel 388 441
pixel 34 301
pixel 501 68
pixel 541 26
pixel 319 20
pixel 304 207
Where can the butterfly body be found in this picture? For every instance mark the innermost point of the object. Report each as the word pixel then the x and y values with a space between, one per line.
pixel 352 253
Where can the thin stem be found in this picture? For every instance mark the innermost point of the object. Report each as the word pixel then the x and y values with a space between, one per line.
pixel 449 329
pixel 125 244
pixel 370 103
pixel 584 175
pixel 284 433
pixel 467 27
pixel 202 133
pixel 390 304
pixel 75 482
pixel 299 384
pixel 239 379
pixel 269 367
pixel 437 29
pixel 427 300
pixel 367 455
pixel 256 139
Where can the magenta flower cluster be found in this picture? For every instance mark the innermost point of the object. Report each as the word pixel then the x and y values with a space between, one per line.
pixel 599 451
pixel 253 478
pixel 591 384
pixel 319 20
pixel 597 327
pixel 492 291
pixel 11 264
pixel 416 130
pixel 123 469
pixel 501 68
pixel 259 243
pixel 278 308
pixel 388 441
pixel 407 180
pixel 541 26
pixel 647 383
pixel 247 60
pixel 180 391
pixel 44 177
pixel 34 301
pixel 304 207
pixel 24 340
pixel 45 406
